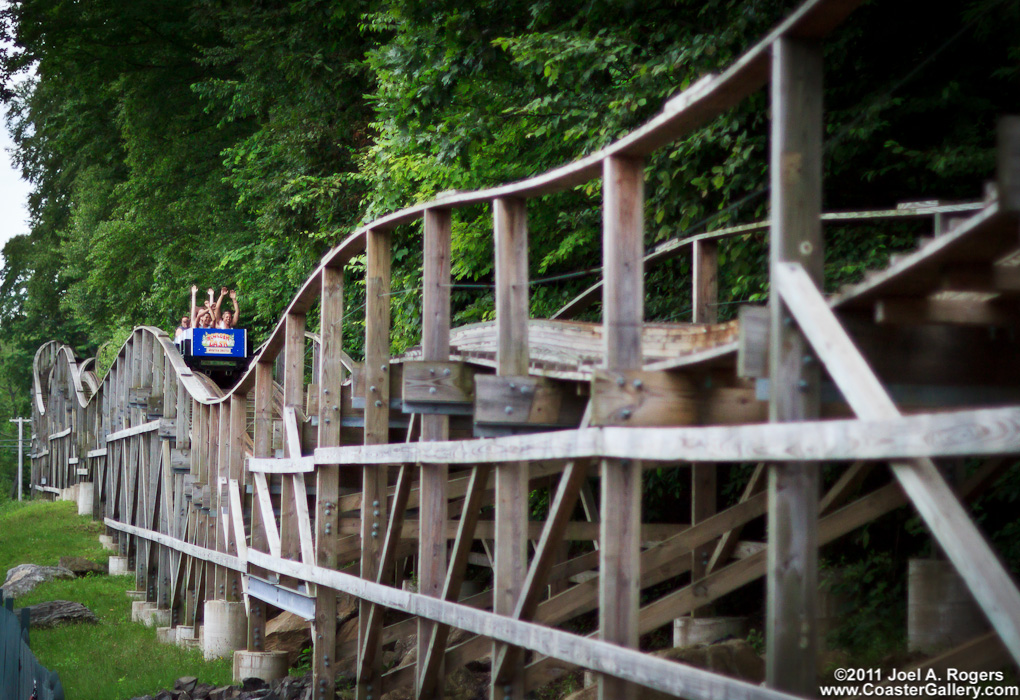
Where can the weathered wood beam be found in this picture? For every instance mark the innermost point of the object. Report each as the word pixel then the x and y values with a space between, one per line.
pixel 796 187
pixel 623 316
pixel 977 564
pixel 434 428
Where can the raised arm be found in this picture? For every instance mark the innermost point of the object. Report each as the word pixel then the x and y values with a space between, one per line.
pixel 194 308
pixel 237 309
pixel 217 307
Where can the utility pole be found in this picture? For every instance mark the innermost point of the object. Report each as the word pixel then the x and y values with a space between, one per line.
pixel 21 448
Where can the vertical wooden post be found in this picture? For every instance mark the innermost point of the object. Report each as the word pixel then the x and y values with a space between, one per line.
pixel 623 316
pixel 235 472
pixel 263 447
pixel 705 294
pixel 703 501
pixel 374 481
pixel 327 488
pixel 512 358
pixel 293 395
pixel 796 176
pixel 705 279
pixel 433 504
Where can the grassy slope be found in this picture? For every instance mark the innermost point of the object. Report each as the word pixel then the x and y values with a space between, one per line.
pixel 116 659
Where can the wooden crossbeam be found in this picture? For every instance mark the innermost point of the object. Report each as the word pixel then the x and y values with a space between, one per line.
pixel 977 564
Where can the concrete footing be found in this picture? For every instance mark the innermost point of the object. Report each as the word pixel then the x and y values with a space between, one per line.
pixel 85 498
pixel 186 637
pixel 140 610
pixel 157 618
pixel 226 629
pixel 688 631
pixel 166 635
pixel 107 542
pixel 135 595
pixel 941 613
pixel 119 567
pixel 267 665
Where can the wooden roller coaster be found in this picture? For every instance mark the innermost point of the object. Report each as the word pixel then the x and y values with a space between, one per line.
pixel 300 485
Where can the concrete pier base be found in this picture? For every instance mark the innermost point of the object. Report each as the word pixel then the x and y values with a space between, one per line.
pixel 135 595
pixel 85 495
pixel 941 613
pixel 166 635
pixel 267 665
pixel 186 637
pixel 157 618
pixel 226 629
pixel 119 567
pixel 107 543
pixel 140 610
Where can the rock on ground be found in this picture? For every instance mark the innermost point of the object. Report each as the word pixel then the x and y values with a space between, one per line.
pixel 80 566
pixel 59 612
pixel 290 633
pixel 25 577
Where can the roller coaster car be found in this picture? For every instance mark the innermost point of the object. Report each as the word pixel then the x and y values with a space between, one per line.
pixel 221 353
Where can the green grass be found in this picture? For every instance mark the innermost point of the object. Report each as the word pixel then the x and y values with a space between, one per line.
pixel 40 532
pixel 116 659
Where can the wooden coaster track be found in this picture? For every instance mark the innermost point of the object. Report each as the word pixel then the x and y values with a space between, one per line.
pixel 343 483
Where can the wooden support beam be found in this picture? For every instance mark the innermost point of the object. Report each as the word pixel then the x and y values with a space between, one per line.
pixel 327 486
pixel 510 225
pixel 704 491
pixel 623 316
pixel 977 564
pixel 263 523
pixel 796 179
pixel 374 477
pixel 433 484
pixel 293 397
pixel 705 280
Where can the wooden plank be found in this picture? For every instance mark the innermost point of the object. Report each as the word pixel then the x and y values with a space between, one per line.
pixel 202 553
pixel 796 207
pixel 971 432
pixel 267 518
pixel 435 346
pixel 437 382
pixel 126 432
pixel 931 496
pixel 291 431
pixel 623 316
pixel 643 398
pixel 705 280
pixel 327 486
pixel 377 373
pixel 510 226
pixel 303 521
pixel 527 401
pixel 237 519
pixel 281 465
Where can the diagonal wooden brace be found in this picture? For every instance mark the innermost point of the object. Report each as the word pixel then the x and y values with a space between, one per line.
pixel 966 547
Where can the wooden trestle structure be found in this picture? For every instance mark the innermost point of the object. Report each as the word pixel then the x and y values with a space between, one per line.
pixel 369 464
